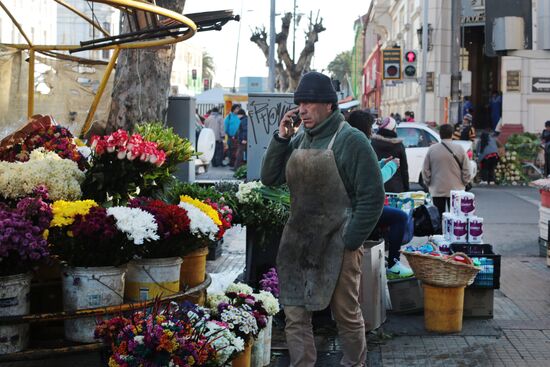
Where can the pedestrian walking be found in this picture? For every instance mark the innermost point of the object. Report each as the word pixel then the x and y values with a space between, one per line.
pixel 386 143
pixel 336 199
pixel 446 167
pixel 231 124
pixel 242 136
pixel 487 157
pixel 214 121
pixel 467 106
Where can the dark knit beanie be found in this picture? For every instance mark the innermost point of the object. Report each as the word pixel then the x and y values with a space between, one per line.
pixel 315 87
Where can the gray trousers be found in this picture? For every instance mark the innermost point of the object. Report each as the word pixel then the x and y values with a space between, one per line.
pixel 346 311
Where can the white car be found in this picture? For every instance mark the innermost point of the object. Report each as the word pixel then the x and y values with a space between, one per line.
pixel 417 138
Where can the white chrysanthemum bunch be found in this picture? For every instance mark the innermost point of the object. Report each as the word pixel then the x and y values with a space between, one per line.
pixel 239 320
pixel 223 340
pixel 214 299
pixel 246 191
pixel 240 288
pixel 200 224
pixel 269 302
pixel 61 176
pixel 138 224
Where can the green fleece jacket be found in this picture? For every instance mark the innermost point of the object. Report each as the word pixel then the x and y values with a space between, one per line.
pixel 357 165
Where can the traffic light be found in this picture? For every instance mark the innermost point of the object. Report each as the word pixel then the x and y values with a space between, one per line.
pixel 391 62
pixel 409 64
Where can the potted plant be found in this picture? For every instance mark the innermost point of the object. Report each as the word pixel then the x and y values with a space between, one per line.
pixel 156 269
pixel 93 243
pixel 120 165
pixel 264 211
pixel 208 222
pixel 22 245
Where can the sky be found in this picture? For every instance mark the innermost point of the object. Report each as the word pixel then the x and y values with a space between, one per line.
pixel 338 19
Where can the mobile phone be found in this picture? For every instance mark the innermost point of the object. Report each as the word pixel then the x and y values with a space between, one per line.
pixel 296 119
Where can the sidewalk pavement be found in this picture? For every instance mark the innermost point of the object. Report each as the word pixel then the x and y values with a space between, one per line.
pixel 518 335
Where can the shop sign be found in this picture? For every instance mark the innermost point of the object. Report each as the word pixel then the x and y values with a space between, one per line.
pixel 513 81
pixel 540 85
pixel 473 13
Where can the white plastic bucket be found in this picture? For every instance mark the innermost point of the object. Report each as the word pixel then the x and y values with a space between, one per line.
pixel 14 301
pixel 149 278
pixel 267 341
pixel 90 288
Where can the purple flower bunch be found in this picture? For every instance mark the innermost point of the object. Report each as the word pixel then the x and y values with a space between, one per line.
pixel 22 241
pixel 270 282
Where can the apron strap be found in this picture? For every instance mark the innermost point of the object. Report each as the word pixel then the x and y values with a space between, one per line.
pixel 334 136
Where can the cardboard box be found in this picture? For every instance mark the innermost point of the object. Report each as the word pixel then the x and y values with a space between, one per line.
pixel 478 302
pixel 406 295
pixel 372 290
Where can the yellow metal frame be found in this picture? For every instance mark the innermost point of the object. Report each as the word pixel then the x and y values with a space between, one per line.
pixel 119 4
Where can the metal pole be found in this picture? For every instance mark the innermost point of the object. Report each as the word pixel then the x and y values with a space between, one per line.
pixel 271 77
pixel 100 90
pixel 424 60
pixel 234 90
pixel 30 89
pixel 456 11
pixel 294 32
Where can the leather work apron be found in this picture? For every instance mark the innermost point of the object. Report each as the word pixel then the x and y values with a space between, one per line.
pixel 312 248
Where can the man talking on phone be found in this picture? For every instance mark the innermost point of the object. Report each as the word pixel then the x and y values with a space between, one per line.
pixel 336 197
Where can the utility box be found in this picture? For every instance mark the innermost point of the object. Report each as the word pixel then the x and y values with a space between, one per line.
pixel 508 34
pixel 543 25
pixel 181 117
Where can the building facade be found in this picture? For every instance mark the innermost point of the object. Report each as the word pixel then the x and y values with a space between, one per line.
pixel 36 17
pixel 519 73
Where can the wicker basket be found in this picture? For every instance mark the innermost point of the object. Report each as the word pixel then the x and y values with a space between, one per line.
pixel 440 272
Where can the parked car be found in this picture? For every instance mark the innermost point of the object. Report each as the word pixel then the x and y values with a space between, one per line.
pixel 417 138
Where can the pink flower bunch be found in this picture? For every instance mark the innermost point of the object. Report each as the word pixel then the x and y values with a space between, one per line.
pixel 128 147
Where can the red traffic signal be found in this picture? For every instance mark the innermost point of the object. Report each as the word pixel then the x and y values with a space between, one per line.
pixel 410 56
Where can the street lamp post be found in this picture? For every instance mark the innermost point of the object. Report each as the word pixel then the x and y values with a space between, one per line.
pixel 271 76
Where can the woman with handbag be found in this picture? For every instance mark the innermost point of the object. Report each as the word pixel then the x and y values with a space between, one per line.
pixel 446 168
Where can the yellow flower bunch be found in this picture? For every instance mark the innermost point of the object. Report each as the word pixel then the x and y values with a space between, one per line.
pixel 205 208
pixel 64 212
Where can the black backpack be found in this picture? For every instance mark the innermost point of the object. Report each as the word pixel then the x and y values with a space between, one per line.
pixel 427 221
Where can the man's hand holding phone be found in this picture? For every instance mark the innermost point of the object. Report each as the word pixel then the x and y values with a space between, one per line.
pixel 289 124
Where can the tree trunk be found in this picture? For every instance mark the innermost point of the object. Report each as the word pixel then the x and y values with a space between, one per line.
pixel 289 72
pixel 142 81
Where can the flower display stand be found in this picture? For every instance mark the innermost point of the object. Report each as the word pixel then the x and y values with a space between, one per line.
pixel 51 348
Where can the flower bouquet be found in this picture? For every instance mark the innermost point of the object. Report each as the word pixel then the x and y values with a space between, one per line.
pixel 178 150
pixel 94 242
pixel 42 132
pixel 22 242
pixel 120 165
pixel 22 246
pixel 62 177
pixel 270 282
pixel 158 339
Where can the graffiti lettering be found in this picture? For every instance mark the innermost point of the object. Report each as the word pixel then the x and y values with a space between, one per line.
pixel 265 116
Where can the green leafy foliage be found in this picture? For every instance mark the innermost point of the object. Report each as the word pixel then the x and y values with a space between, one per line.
pixel 525 145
